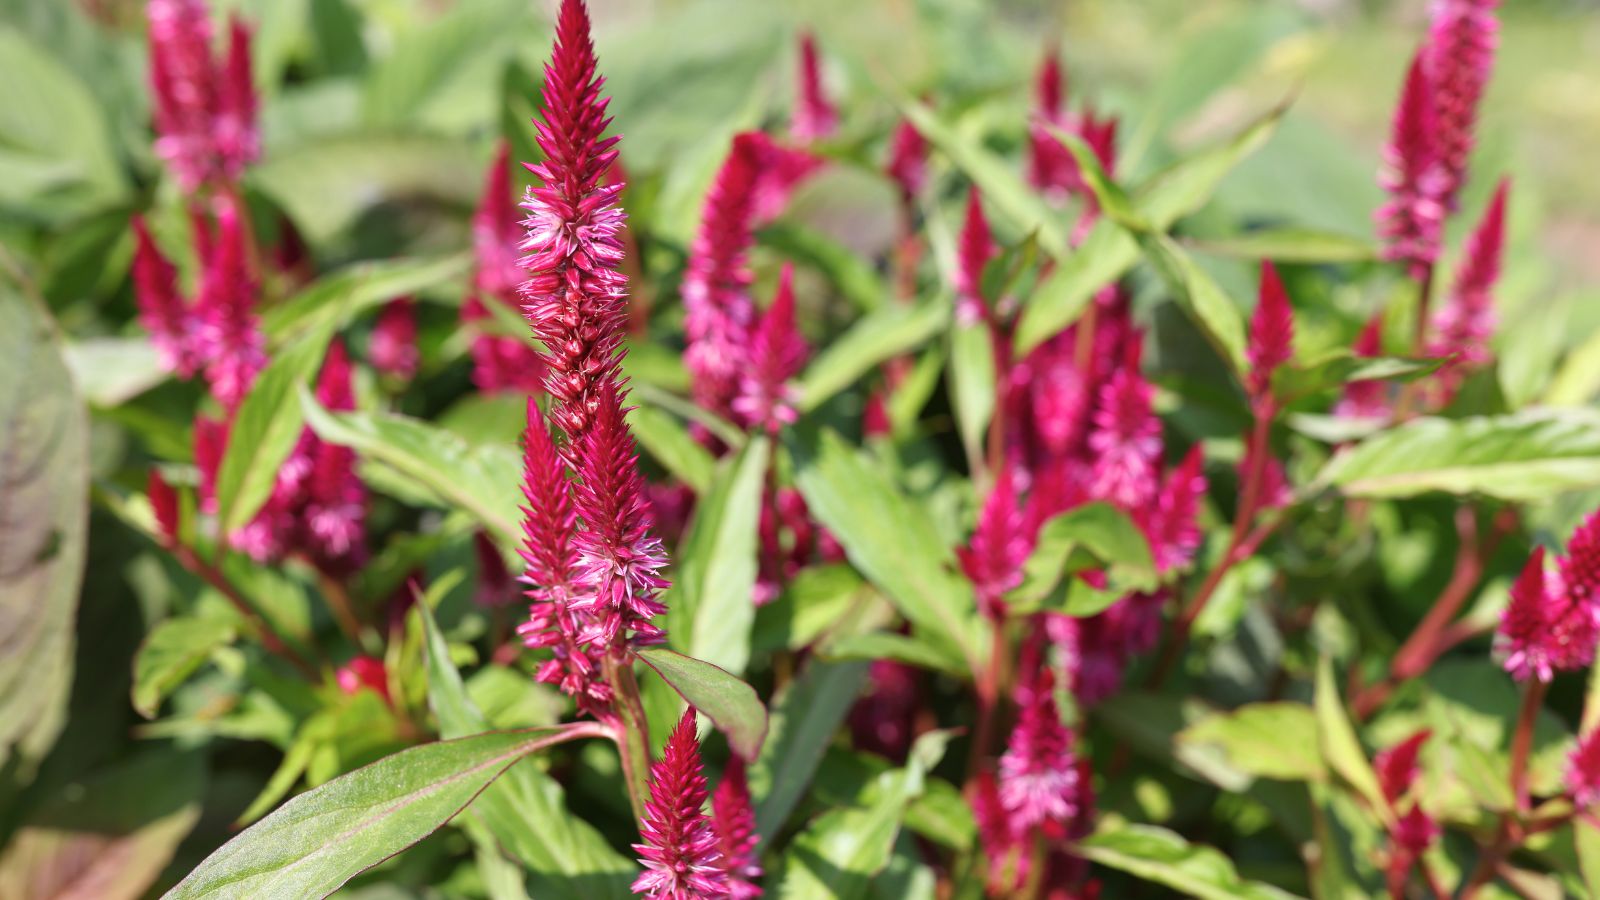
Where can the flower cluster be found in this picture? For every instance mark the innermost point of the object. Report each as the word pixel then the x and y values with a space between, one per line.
pixel 1552 623
pixel 1413 831
pixel 500 361
pixel 205 105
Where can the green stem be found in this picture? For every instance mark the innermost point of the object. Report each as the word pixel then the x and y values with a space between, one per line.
pixel 632 731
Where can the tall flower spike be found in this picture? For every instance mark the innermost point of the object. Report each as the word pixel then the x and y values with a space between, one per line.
pixel 392 348
pixel 235 347
pixel 1173 529
pixel 680 851
pixel 1460 55
pixel 908 161
pixel 495 229
pixel 1580 568
pixel 1038 772
pixel 735 822
pixel 1000 544
pixel 1583 771
pixel 574 295
pixel 1465 323
pixel 164 503
pixel 1550 626
pixel 814 116
pixel 1126 436
pixel 975 251
pixel 1410 221
pixel 336 499
pixel 1366 399
pixel 205 108
pixel 718 313
pixel 1050 166
pixel 1397 766
pixel 619 559
pixel 173 326
pixel 777 352
pixel 1271 336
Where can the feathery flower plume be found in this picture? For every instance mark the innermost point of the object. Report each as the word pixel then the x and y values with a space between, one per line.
pixel 1038 771
pixel 1580 568
pixel 1271 337
pixel 735 822
pixel 718 312
pixel 1583 771
pixel 1411 219
pixel 1551 625
pixel 1397 766
pixel 1460 54
pixel 392 348
pixel 1171 526
pixel 814 117
pixel 975 250
pixel 1000 544
pixel 777 353
pixel 335 510
pixel 1414 831
pixel 908 161
pixel 1050 165
pixel 235 349
pixel 1126 437
pixel 680 851
pixel 1367 399
pixel 575 293
pixel 173 325
pixel 500 362
pixel 205 107
pixel 164 503
pixel 1005 847
pixel 210 442
pixel 1465 323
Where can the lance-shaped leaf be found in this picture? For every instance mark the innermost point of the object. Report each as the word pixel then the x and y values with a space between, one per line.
pixel 1339 368
pixel 1164 857
pixel 727 701
pixel 882 335
pixel 1341 748
pixel 1092 536
pixel 805 715
pixel 344 294
pixel 171 653
pixel 1202 298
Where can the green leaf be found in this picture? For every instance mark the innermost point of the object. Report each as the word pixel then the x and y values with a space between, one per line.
pixel 890 541
pixel 265 429
pixel 727 701
pixel 1268 740
pixel 1526 456
pixel 816 601
pixel 710 599
pixel 1340 368
pixel 1578 379
pixel 107 836
pixel 312 845
pixel 1289 244
pixel 111 371
pixel 888 645
pixel 882 335
pixel 1109 196
pixel 525 810
pixel 972 383
pixel 1004 191
pixel 913 392
pixel 805 715
pixel 1164 857
pixel 44 488
pixel 669 444
pixel 846 269
pixel 1202 298
pixel 1187 185
pixel 172 652
pixel 1341 749
pixel 425 62
pixel 340 296
pixel 1092 536
pixel 480 480
pixel 1107 253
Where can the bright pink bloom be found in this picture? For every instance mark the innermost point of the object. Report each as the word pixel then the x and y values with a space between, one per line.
pixel 205 107
pixel 574 297
pixel 1126 439
pixel 735 823
pixel 782 170
pixel 173 324
pixel 1410 221
pixel 718 312
pixel 1038 771
pixel 1368 399
pixel 882 721
pixel 335 511
pixel 999 546
pixel 1465 323
pixel 1459 56
pixel 680 851
pixel 210 442
pixel 1583 771
pixel 814 116
pixel 767 396
pixel 234 347
pixel 392 348
pixel 1172 527
pixel 1271 338
pixel 1397 766
pixel 364 673
pixel 164 503
pixel 1580 568
pixel 500 362
pixel 973 253
pixel 1551 623
pixel 908 161
pixel 1051 167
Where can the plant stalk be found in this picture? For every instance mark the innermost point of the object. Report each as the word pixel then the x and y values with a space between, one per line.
pixel 632 729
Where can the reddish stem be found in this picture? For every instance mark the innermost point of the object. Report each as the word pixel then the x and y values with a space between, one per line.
pixel 270 638
pixel 1522 743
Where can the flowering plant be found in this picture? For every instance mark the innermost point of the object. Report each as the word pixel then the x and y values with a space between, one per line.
pixel 918 487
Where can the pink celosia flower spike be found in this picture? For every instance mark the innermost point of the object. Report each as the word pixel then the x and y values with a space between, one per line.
pixel 1050 165
pixel 205 108
pixel 1000 544
pixel 1368 399
pixel 1465 323
pixel 1414 831
pixel 973 254
pixel 173 326
pixel 1460 55
pixel 574 295
pixel 1173 529
pixel 392 348
pixel 908 161
pixel 336 499
pixel 164 503
pixel 1271 337
pixel 735 822
pixel 234 345
pixel 500 362
pixel 1553 621
pixel 680 849
pixel 1522 625
pixel 1409 222
pixel 1583 771
pixel 1126 436
pixel 777 352
pixel 1038 771
pixel 814 116
pixel 718 312
pixel 1580 568
pixel 1397 766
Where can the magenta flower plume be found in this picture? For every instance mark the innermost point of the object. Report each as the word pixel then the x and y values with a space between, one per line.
pixel 975 250
pixel 210 442
pixel 1459 55
pixel 173 325
pixel 1580 568
pixel 777 351
pixel 392 348
pixel 336 499
pixel 1465 323
pixel 735 822
pixel 1038 771
pixel 619 560
pixel 1125 438
pixel 814 116
pixel 908 161
pixel 1271 338
pixel 1550 625
pixel 1172 527
pixel 205 107
pixel 1583 771
pixel 1410 221
pixel 230 332
pixel 1050 165
pixel 718 312
pixel 1366 399
pixel 574 296
pixel 496 231
pixel 1000 544
pixel 1397 766
pixel 164 503
pixel 680 853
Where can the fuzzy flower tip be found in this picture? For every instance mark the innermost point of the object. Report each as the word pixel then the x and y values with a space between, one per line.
pixel 230 332
pixel 1038 771
pixel 1583 771
pixel 1397 766
pixel 680 850
pixel 173 325
pixel 735 822
pixel 908 161
pixel 1459 56
pixel 1465 323
pixel 1172 526
pixel 1410 221
pixel 336 499
pixel 205 107
pixel 574 296
pixel 814 116
pixel 1271 335
pixel 164 503
pixel 1551 624
pixel 777 351
pixel 973 254
pixel 1000 544
pixel 1126 437
pixel 392 348
pixel 718 312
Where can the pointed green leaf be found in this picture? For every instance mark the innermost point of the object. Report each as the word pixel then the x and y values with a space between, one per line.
pixel 1268 740
pixel 882 335
pixel 805 716
pixel 1187 185
pixel 727 701
pixel 1202 298
pixel 171 653
pixel 1095 535
pixel 1164 857
pixel 1341 749
pixel 972 383
pixel 1107 253
pixel 345 293
pixel 1290 245
pixel 669 443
